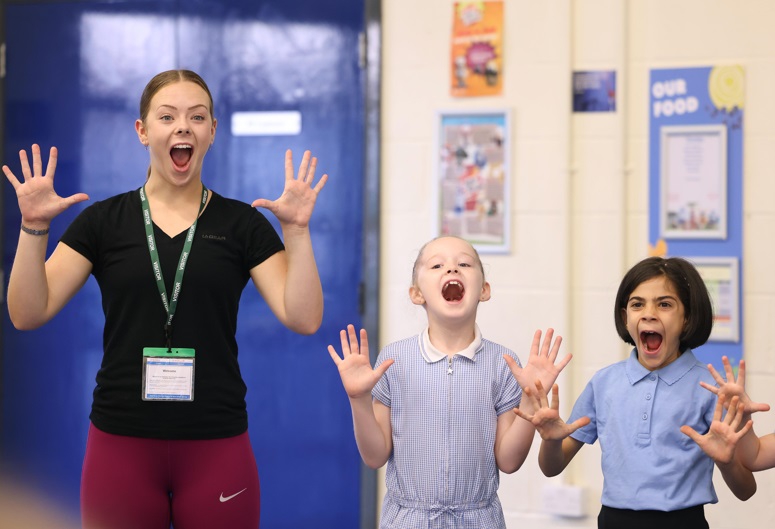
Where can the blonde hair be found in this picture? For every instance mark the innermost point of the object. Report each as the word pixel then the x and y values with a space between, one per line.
pixel 422 250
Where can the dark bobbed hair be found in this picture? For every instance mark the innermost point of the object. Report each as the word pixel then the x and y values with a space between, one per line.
pixel 169 77
pixel 691 290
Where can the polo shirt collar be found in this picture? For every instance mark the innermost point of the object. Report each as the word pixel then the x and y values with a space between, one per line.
pixel 431 354
pixel 669 374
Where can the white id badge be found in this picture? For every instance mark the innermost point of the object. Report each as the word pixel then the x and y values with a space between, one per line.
pixel 168 374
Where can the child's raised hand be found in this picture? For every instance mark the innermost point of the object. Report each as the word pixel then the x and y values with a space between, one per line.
pixel 730 387
pixel 541 362
pixel 355 369
pixel 546 418
pixel 722 437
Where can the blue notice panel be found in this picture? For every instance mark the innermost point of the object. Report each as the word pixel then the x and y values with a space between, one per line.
pixel 696 187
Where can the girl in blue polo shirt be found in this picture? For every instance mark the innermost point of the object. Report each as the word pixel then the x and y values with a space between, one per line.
pixel 440 416
pixel 653 473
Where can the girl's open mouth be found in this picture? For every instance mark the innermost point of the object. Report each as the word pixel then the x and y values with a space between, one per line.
pixel 453 290
pixel 651 341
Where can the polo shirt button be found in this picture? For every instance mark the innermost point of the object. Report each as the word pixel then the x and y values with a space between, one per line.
pixel 652 377
pixel 648 396
pixel 645 416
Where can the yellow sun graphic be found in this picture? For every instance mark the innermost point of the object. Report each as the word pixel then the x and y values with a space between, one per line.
pixel 726 86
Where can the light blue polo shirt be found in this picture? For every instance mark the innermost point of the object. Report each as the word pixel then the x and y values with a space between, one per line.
pixel 443 413
pixel 637 415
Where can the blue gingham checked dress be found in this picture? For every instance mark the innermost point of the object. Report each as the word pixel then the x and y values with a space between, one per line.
pixel 443 413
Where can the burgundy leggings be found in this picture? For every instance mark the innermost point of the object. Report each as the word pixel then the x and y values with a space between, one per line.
pixel 138 483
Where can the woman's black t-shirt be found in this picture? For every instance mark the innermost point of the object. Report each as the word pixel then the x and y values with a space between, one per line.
pixel 231 238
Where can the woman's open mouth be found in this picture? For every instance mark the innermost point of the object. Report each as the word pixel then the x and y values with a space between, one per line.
pixel 181 155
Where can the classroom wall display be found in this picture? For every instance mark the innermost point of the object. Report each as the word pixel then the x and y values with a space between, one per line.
pixel 693 180
pixel 696 185
pixel 721 276
pixel 472 178
pixel 477 49
pixel 594 91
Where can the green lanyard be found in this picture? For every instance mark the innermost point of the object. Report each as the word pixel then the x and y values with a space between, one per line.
pixel 169 306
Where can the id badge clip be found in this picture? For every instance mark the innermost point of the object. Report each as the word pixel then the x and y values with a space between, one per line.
pixel 168 374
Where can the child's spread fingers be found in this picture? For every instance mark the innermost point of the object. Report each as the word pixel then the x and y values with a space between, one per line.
pixel 715 374
pixel 741 373
pixel 745 429
pixel 556 397
pixel 579 423
pixel 534 348
pixel 555 348
pixel 712 389
pixel 737 418
pixel 718 409
pixel 334 355
pixel 564 362
pixel 364 342
pixel 547 342
pixel 689 431
pixel 515 369
pixel 353 339
pixel 728 369
pixel 345 342
pixel 383 367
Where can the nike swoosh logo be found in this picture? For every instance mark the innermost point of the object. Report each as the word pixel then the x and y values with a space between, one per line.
pixel 227 498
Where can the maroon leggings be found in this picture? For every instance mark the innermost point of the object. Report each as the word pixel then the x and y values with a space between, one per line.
pixel 138 483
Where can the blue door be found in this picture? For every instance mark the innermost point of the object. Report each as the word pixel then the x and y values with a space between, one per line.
pixel 74 74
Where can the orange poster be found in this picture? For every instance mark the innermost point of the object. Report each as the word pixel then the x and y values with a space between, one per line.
pixel 477 49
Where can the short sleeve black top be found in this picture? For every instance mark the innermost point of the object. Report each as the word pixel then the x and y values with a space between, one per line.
pixel 231 238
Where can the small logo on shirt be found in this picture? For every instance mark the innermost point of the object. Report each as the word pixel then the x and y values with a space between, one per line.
pixel 213 237
pixel 224 499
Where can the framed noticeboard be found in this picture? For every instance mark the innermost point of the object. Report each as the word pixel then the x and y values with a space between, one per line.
pixel 693 182
pixel 721 276
pixel 472 178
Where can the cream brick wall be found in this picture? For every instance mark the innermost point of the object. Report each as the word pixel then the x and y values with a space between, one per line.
pixel 579 190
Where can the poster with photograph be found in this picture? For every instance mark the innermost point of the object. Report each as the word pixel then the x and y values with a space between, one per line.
pixel 594 91
pixel 721 277
pixel 472 188
pixel 694 182
pixel 477 49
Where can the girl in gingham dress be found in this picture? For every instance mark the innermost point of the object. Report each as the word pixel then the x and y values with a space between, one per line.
pixel 441 417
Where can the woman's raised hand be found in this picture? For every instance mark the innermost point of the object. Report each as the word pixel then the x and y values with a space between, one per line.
pixel 295 205
pixel 38 202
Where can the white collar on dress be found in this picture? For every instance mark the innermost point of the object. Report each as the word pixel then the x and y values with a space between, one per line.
pixel 431 354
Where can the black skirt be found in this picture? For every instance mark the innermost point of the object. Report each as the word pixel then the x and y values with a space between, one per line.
pixel 691 518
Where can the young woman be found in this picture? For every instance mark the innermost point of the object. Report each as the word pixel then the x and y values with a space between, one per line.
pixel 168 439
